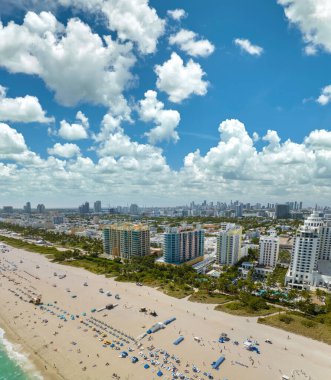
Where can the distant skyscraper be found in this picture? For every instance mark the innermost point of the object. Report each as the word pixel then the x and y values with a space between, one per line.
pixel 282 211
pixel 238 209
pixel 182 244
pixel 97 206
pixel 134 209
pixel 229 244
pixel 41 208
pixel 126 240
pixel 27 208
pixel 8 209
pixel 268 250
pixel 84 208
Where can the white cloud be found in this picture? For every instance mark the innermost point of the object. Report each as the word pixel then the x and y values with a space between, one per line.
pixel 325 96
pixel 313 18
pixel 134 20
pixel 248 47
pixel 151 109
pixel 64 150
pixel 11 142
pixel 77 64
pixel 180 81
pixel 319 138
pixel 74 131
pixel 188 42
pixel 177 14
pixel 21 109
pixel 275 172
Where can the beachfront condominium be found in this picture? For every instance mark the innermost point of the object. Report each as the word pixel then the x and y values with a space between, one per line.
pixel 229 244
pixel 269 250
pixel 183 244
pixel 304 257
pixel 126 240
pixel 311 254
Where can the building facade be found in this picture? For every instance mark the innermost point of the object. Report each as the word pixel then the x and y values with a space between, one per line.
pixel 229 244
pixel 182 244
pixel 126 240
pixel 268 250
pixel 282 211
pixel 97 206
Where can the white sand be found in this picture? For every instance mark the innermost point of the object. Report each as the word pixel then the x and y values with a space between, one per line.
pixel 193 319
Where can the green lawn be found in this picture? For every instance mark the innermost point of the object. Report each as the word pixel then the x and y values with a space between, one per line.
pixel 301 325
pixel 210 298
pixel 237 308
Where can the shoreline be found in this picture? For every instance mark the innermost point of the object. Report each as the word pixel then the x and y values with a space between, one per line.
pixel 36 361
pixel 77 352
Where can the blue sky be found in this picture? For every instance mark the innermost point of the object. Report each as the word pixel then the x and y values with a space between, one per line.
pixel 240 109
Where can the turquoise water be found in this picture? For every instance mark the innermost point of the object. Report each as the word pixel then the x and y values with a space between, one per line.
pixel 9 369
pixel 13 364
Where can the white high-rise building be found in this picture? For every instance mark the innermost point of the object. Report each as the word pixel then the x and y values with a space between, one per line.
pixel 229 244
pixel 304 257
pixel 269 250
pixel 311 254
pixel 314 221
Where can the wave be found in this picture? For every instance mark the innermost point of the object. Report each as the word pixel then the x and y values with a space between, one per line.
pixel 14 353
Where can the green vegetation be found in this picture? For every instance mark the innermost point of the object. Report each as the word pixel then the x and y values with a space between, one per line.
pixel 52 252
pixel 87 245
pixel 277 277
pixel 203 296
pixel 254 309
pixel 315 328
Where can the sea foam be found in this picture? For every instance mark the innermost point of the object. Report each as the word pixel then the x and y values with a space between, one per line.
pixel 15 354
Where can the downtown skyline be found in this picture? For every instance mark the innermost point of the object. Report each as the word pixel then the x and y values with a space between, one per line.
pixel 183 101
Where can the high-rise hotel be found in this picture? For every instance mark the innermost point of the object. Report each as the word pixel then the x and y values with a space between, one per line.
pixel 311 254
pixel 229 244
pixel 183 244
pixel 126 240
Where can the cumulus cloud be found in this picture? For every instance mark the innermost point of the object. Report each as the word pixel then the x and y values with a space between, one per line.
pixel 132 20
pixel 25 109
pixel 313 18
pixel 64 150
pixel 140 171
pixel 319 138
pixel 11 142
pixel 151 109
pixel 75 131
pixel 176 14
pixel 190 43
pixel 180 81
pixel 77 64
pixel 246 46
pixel 325 96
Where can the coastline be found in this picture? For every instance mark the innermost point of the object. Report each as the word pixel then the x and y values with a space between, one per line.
pixel 76 351
pixel 34 367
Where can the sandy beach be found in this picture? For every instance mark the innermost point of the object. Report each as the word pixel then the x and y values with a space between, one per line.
pixel 65 339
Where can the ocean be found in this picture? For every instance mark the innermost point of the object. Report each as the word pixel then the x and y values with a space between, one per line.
pixel 13 364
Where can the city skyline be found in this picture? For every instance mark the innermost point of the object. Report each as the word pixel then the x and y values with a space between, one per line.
pixel 225 100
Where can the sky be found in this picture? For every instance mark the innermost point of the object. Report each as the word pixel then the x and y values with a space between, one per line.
pixel 165 102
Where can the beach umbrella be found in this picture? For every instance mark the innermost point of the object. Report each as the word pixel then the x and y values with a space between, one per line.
pixel 146 366
pixel 159 373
